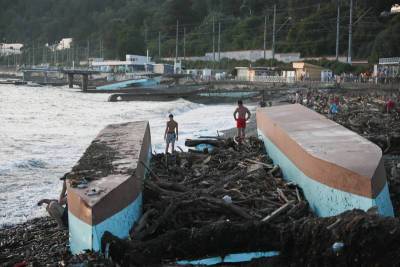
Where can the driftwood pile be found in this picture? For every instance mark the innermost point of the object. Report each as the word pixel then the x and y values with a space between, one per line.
pixel 367 116
pixel 39 242
pixel 353 238
pixel 235 184
pixel 392 165
pixel 34 242
pixel 196 203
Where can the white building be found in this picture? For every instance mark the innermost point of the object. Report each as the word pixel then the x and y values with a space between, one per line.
pixel 11 49
pixel 264 74
pixel 65 43
pixel 132 63
pixel 395 9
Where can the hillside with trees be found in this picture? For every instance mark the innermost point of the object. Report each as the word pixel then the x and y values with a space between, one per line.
pixel 115 27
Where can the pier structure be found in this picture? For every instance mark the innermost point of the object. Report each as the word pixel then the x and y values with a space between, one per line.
pixel 337 169
pixel 82 72
pixel 42 75
pixel 105 186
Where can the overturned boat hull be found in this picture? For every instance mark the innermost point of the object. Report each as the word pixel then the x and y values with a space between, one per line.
pixel 112 199
pixel 146 82
pixel 337 169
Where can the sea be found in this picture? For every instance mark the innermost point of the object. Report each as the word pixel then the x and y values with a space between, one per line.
pixel 45 130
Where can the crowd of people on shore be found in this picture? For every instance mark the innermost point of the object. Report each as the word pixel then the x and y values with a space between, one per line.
pixel 332 103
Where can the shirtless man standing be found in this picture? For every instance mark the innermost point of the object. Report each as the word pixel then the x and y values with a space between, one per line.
pixel 171 133
pixel 241 115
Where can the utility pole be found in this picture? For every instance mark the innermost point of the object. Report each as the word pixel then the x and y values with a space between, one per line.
pixel 350 32
pixel 184 43
pixel 337 29
pixel 88 51
pixel 265 38
pixel 33 54
pixel 176 40
pixel 102 48
pixel 213 36
pixel 73 55
pixel 273 34
pixel 219 41
pixel 145 36
pixel 159 44
pixel 99 54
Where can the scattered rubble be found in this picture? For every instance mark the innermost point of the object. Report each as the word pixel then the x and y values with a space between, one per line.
pixel 39 242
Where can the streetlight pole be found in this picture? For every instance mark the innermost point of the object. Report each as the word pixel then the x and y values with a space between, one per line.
pixel 350 32
pixel 265 38
pixel 184 43
pixel 176 41
pixel 219 41
pixel 159 44
pixel 337 29
pixel 213 37
pixel 273 34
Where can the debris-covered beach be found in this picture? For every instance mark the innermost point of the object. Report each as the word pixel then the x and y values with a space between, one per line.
pixel 232 199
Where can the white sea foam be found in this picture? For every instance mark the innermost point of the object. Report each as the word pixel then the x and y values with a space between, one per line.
pixel 44 131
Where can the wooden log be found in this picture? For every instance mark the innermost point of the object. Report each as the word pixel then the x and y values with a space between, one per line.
pixel 142 222
pixel 151 230
pixel 150 171
pixel 277 212
pixel 172 186
pixel 259 162
pixel 230 206
pixel 214 239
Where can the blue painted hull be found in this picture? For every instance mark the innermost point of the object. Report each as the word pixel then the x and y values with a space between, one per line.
pixel 129 83
pixel 117 203
pixel 324 200
pixel 88 237
pixel 230 258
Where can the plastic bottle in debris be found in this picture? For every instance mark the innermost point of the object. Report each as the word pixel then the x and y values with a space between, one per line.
pixel 227 199
pixel 337 247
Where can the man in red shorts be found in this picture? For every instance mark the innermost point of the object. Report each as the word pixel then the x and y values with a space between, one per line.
pixel 390 105
pixel 241 115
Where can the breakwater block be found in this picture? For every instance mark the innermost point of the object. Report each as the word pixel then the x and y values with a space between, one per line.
pixel 337 169
pixel 105 186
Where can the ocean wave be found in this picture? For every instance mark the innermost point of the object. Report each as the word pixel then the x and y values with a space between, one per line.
pixel 181 106
pixel 30 164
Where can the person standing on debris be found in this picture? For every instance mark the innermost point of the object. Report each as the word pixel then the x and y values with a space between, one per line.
pixel 241 116
pixel 389 105
pixel 171 133
pixel 297 98
pixel 56 207
pixel 333 109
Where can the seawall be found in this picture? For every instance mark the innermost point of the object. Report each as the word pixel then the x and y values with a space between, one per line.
pixel 337 169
